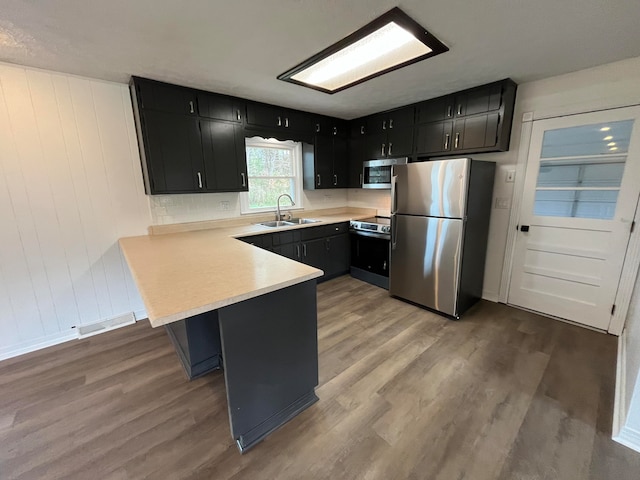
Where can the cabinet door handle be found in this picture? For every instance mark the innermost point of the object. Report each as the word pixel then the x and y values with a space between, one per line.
pixel 383 145
pixel 389 149
pixel 191 110
pixel 279 121
pixel 446 141
pixel 335 130
pixel 457 140
pixel 304 250
pixel 459 109
pixel 335 180
pixel 286 122
pixel 199 180
pixel 391 123
pixel 318 175
pixel 298 251
pixel 362 130
pixel 360 179
pixel 317 127
pixel 238 115
pixel 449 111
pixel 244 179
pixel 384 124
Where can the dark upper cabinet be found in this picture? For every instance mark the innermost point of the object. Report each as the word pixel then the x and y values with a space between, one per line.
pixel 182 150
pixel 273 117
pixel 173 152
pixel 356 152
pixel 220 107
pixel 435 110
pixel 326 162
pixel 478 100
pixel 163 97
pixel 225 160
pixel 480 122
pixel 390 134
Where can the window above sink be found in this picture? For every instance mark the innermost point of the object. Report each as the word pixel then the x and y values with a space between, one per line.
pixel 273 167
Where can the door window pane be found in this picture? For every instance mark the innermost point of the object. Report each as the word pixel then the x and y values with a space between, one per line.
pixel 581 173
pixel 595 139
pixel 581 170
pixel 599 204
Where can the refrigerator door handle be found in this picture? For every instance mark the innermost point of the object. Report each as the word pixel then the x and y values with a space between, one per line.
pixel 394 231
pixel 394 194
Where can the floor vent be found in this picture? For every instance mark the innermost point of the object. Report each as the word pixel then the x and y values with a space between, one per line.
pixel 85 331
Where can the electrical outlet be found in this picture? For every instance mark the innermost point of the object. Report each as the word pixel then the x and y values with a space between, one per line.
pixel 511 176
pixel 502 202
pixel 224 205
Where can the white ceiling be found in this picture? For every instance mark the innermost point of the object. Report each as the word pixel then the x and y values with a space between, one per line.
pixel 238 47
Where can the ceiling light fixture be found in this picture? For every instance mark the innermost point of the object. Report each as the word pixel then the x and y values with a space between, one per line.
pixel 605 129
pixel 611 144
pixel 391 41
pixel 607 138
pixel 613 149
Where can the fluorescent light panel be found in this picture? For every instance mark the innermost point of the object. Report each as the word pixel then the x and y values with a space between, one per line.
pixel 389 42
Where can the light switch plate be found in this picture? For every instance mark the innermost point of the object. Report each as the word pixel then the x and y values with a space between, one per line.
pixel 511 176
pixel 502 202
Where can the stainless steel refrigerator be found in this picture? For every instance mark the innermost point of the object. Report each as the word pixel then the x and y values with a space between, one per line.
pixel 439 225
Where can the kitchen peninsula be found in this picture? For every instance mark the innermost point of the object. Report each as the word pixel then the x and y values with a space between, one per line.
pixel 228 304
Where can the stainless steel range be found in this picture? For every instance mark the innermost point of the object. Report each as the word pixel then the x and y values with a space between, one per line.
pixel 370 240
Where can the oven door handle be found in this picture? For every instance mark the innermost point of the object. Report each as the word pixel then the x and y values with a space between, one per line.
pixel 361 233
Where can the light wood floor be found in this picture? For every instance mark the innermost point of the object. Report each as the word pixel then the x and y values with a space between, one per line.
pixel 404 394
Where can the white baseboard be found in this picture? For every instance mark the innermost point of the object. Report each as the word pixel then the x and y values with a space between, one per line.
pixel 619 407
pixel 103 326
pixel 37 344
pixel 629 437
pixel 622 433
pixel 51 340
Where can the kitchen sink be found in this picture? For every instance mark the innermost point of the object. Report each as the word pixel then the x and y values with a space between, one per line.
pixel 302 221
pixel 288 223
pixel 275 223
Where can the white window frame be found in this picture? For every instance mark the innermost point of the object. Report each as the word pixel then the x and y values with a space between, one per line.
pixel 296 152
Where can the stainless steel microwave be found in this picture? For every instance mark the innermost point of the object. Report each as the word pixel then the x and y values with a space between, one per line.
pixel 377 173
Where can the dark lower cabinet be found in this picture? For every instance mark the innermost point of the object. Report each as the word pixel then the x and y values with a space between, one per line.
pixel 326 247
pixel 173 149
pixel 225 158
pixel 197 343
pixel 338 255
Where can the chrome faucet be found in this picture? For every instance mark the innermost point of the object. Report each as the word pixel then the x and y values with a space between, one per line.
pixel 278 216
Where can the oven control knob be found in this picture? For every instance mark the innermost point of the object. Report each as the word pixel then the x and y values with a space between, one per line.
pixel 386 229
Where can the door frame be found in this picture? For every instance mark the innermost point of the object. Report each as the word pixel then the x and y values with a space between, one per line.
pixel 631 264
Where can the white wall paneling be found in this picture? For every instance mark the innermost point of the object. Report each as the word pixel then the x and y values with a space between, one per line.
pixel 70 186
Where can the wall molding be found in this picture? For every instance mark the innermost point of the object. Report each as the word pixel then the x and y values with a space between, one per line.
pixel 40 343
pixel 619 407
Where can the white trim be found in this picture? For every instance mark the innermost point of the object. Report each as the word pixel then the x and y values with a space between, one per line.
pixel 628 278
pixel 490 296
pixel 103 326
pixel 516 200
pixel 141 315
pixel 296 150
pixel 629 437
pixel 631 265
pixel 619 407
pixel 42 342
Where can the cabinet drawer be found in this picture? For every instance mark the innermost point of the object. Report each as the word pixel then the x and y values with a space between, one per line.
pixel 337 228
pixel 283 238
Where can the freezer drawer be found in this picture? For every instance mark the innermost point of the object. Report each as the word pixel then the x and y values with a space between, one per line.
pixel 425 261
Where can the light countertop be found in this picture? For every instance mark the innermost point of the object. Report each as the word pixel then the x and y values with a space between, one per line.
pixel 190 272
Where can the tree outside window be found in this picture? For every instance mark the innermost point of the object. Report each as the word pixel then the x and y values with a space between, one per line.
pixel 273 168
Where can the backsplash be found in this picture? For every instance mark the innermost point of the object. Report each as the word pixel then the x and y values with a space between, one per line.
pixel 167 209
pixel 378 199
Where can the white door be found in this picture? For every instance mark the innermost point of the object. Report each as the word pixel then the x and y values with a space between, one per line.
pixel 581 189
